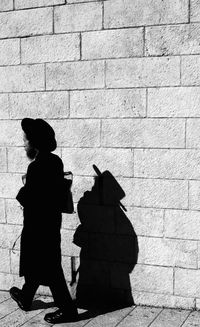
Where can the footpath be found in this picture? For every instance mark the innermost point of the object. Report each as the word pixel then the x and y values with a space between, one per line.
pixel 135 316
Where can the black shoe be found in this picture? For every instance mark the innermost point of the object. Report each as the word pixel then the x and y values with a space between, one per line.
pixel 16 295
pixel 59 316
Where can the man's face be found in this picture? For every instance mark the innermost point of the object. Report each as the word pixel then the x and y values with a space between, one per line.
pixel 30 150
pixel 26 142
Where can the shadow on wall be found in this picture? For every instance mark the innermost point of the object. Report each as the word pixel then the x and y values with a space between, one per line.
pixel 109 247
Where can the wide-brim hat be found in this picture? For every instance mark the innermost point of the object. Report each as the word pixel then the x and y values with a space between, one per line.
pixel 39 133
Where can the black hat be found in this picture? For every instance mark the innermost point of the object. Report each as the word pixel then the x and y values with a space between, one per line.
pixel 40 134
pixel 111 190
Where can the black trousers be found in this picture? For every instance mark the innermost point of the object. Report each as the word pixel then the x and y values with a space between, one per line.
pixel 58 287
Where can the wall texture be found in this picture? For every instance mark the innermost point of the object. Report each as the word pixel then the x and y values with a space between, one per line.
pixel 119 81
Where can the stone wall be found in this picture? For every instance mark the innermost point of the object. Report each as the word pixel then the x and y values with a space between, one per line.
pixel 119 81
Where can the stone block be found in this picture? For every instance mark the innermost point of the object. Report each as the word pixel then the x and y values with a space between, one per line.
pixel 58 151
pixel 79 1
pixel 5 261
pixel 17 160
pixel 3 160
pixel 21 4
pixel 198 304
pixel 26 22
pixel 76 75
pixel 187 283
pixel 108 103
pixel 7 306
pixel 49 48
pixel 194 195
pixel 5 106
pixel 195 11
pixel 173 40
pixel 70 221
pixel 151 279
pixel 67 245
pixel 171 317
pixel 193 133
pixel 14 261
pixel 11 133
pixel 145 222
pixel 167 252
pixel 166 317
pixel 126 184
pixel 80 186
pixel 112 43
pixel 21 78
pixel 143 72
pixel 14 212
pixel 173 102
pixel 9 233
pixel 78 17
pixel 198 259
pixel 6 5
pixel 2 211
pixel 66 264
pixel 8 280
pixel 80 161
pixel 190 68
pixel 147 133
pixel 142 316
pixel 158 193
pixel 182 224
pixel 163 300
pixel 16 316
pixel 4 296
pixel 179 164
pixel 83 184
pixel 120 13
pixel 77 133
pixel 9 52
pixel 39 105
pixel 10 184
pixel 193 318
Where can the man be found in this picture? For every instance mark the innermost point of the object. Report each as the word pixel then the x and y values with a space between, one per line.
pixel 40 251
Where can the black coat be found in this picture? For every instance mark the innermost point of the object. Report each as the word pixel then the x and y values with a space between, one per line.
pixel 40 252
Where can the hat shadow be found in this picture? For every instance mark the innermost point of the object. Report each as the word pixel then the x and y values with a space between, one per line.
pixel 109 246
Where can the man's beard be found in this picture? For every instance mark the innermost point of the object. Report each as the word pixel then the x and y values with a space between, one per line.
pixel 31 153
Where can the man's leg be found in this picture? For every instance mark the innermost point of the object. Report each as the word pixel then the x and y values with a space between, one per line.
pixel 67 310
pixel 25 296
pixel 29 289
pixel 60 292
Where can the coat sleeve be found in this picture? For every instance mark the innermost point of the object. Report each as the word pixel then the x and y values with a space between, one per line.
pixel 24 193
pixel 43 185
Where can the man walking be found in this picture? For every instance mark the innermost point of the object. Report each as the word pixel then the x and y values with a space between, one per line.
pixel 40 251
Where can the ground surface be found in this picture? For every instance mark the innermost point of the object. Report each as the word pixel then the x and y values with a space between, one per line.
pixel 12 316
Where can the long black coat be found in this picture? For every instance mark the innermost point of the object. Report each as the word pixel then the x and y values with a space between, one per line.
pixel 40 252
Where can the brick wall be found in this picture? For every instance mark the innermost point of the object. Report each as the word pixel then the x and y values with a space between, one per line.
pixel 119 81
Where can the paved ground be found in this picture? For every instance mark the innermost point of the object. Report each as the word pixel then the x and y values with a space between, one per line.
pixel 11 316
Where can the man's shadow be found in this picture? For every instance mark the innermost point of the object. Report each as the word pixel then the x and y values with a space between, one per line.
pixel 109 246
